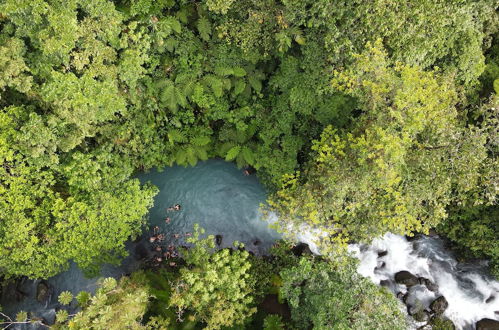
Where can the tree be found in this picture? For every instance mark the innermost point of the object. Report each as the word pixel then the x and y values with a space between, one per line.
pixel 398 166
pixel 324 297
pixel 214 285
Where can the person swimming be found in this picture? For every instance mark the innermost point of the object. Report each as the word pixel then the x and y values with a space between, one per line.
pixel 175 207
pixel 176 235
pixel 161 237
pixel 167 220
pixel 156 230
pixel 152 239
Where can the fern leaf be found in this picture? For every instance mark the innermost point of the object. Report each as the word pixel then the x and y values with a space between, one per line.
pixel 248 155
pixel 232 153
pixel 191 156
pixel 220 71
pixel 201 153
pixel 176 135
pixel 181 156
pixel 201 140
pixel 204 28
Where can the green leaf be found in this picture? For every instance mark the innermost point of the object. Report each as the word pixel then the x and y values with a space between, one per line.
pixel 255 83
pixel 239 86
pixel 232 153
pixel 496 86
pixel 201 140
pixel 239 72
pixel 204 28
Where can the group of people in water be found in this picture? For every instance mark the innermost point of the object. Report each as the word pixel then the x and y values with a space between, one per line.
pixel 163 253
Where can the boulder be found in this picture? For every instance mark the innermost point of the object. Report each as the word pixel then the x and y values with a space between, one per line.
pixel 382 253
pixel 439 305
pixel 421 316
pixel 384 283
pixel 406 278
pixel 439 322
pixel 42 292
pixel 429 284
pixel 490 299
pixel 381 264
pixel 218 239
pixel 487 324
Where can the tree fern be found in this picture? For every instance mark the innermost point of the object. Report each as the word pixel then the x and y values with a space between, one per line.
pixel 232 153
pixel 176 135
pixel 192 159
pixel 248 155
pixel 201 140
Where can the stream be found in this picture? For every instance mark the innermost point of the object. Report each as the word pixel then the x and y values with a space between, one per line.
pixel 220 198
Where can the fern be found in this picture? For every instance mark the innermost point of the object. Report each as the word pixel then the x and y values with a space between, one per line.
pixel 222 71
pixel 172 97
pixel 204 28
pixel 191 156
pixel 232 153
pixel 202 153
pixel 248 155
pixel 176 135
pixel 181 156
pixel 215 84
pixel 201 140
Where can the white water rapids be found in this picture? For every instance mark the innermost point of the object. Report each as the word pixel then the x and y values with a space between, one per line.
pixel 471 294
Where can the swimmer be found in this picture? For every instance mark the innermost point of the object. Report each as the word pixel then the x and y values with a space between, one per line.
pixel 246 172
pixel 159 259
pixel 177 207
pixel 156 229
pixel 161 237
pixel 173 264
pixel 167 255
pixel 171 247
pixel 176 235
pixel 152 239
pixel 158 248
pixel 187 234
pixel 167 220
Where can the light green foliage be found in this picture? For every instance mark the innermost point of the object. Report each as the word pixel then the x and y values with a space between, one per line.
pixel 61 316
pixel 214 284
pixel 83 298
pixel 323 297
pixel 273 322
pixel 21 316
pixel 400 164
pixel 65 298
pixel 115 305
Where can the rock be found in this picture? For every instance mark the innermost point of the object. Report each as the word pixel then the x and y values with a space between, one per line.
pixel 42 292
pixel 385 283
pixel 439 322
pixel 490 299
pixel 432 233
pixel 487 324
pixel 421 316
pixel 218 239
pixel 439 305
pixel 382 253
pixel 381 264
pixel 406 278
pixel 429 284
pixel 257 242
pixel 302 249
pixel 140 252
pixel 400 295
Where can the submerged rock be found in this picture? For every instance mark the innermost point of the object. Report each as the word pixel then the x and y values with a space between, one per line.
pixel 406 278
pixel 439 305
pixel 429 284
pixel 487 324
pixel 42 292
pixel 218 239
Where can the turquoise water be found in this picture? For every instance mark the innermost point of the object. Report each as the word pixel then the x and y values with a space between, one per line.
pixel 215 194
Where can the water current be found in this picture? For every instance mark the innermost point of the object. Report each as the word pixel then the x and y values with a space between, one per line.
pixel 221 199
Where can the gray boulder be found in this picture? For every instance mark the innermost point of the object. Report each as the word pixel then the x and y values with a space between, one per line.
pixel 406 278
pixel 487 324
pixel 439 305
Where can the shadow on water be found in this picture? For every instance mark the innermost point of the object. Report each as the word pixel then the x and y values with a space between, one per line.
pixel 215 194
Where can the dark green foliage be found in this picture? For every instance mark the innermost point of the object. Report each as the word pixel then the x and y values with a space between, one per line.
pixel 324 297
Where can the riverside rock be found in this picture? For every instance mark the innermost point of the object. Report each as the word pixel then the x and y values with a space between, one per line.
pixel 406 278
pixel 42 292
pixel 439 305
pixel 487 324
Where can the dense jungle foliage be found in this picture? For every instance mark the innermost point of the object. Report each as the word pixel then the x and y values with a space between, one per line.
pixel 360 117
